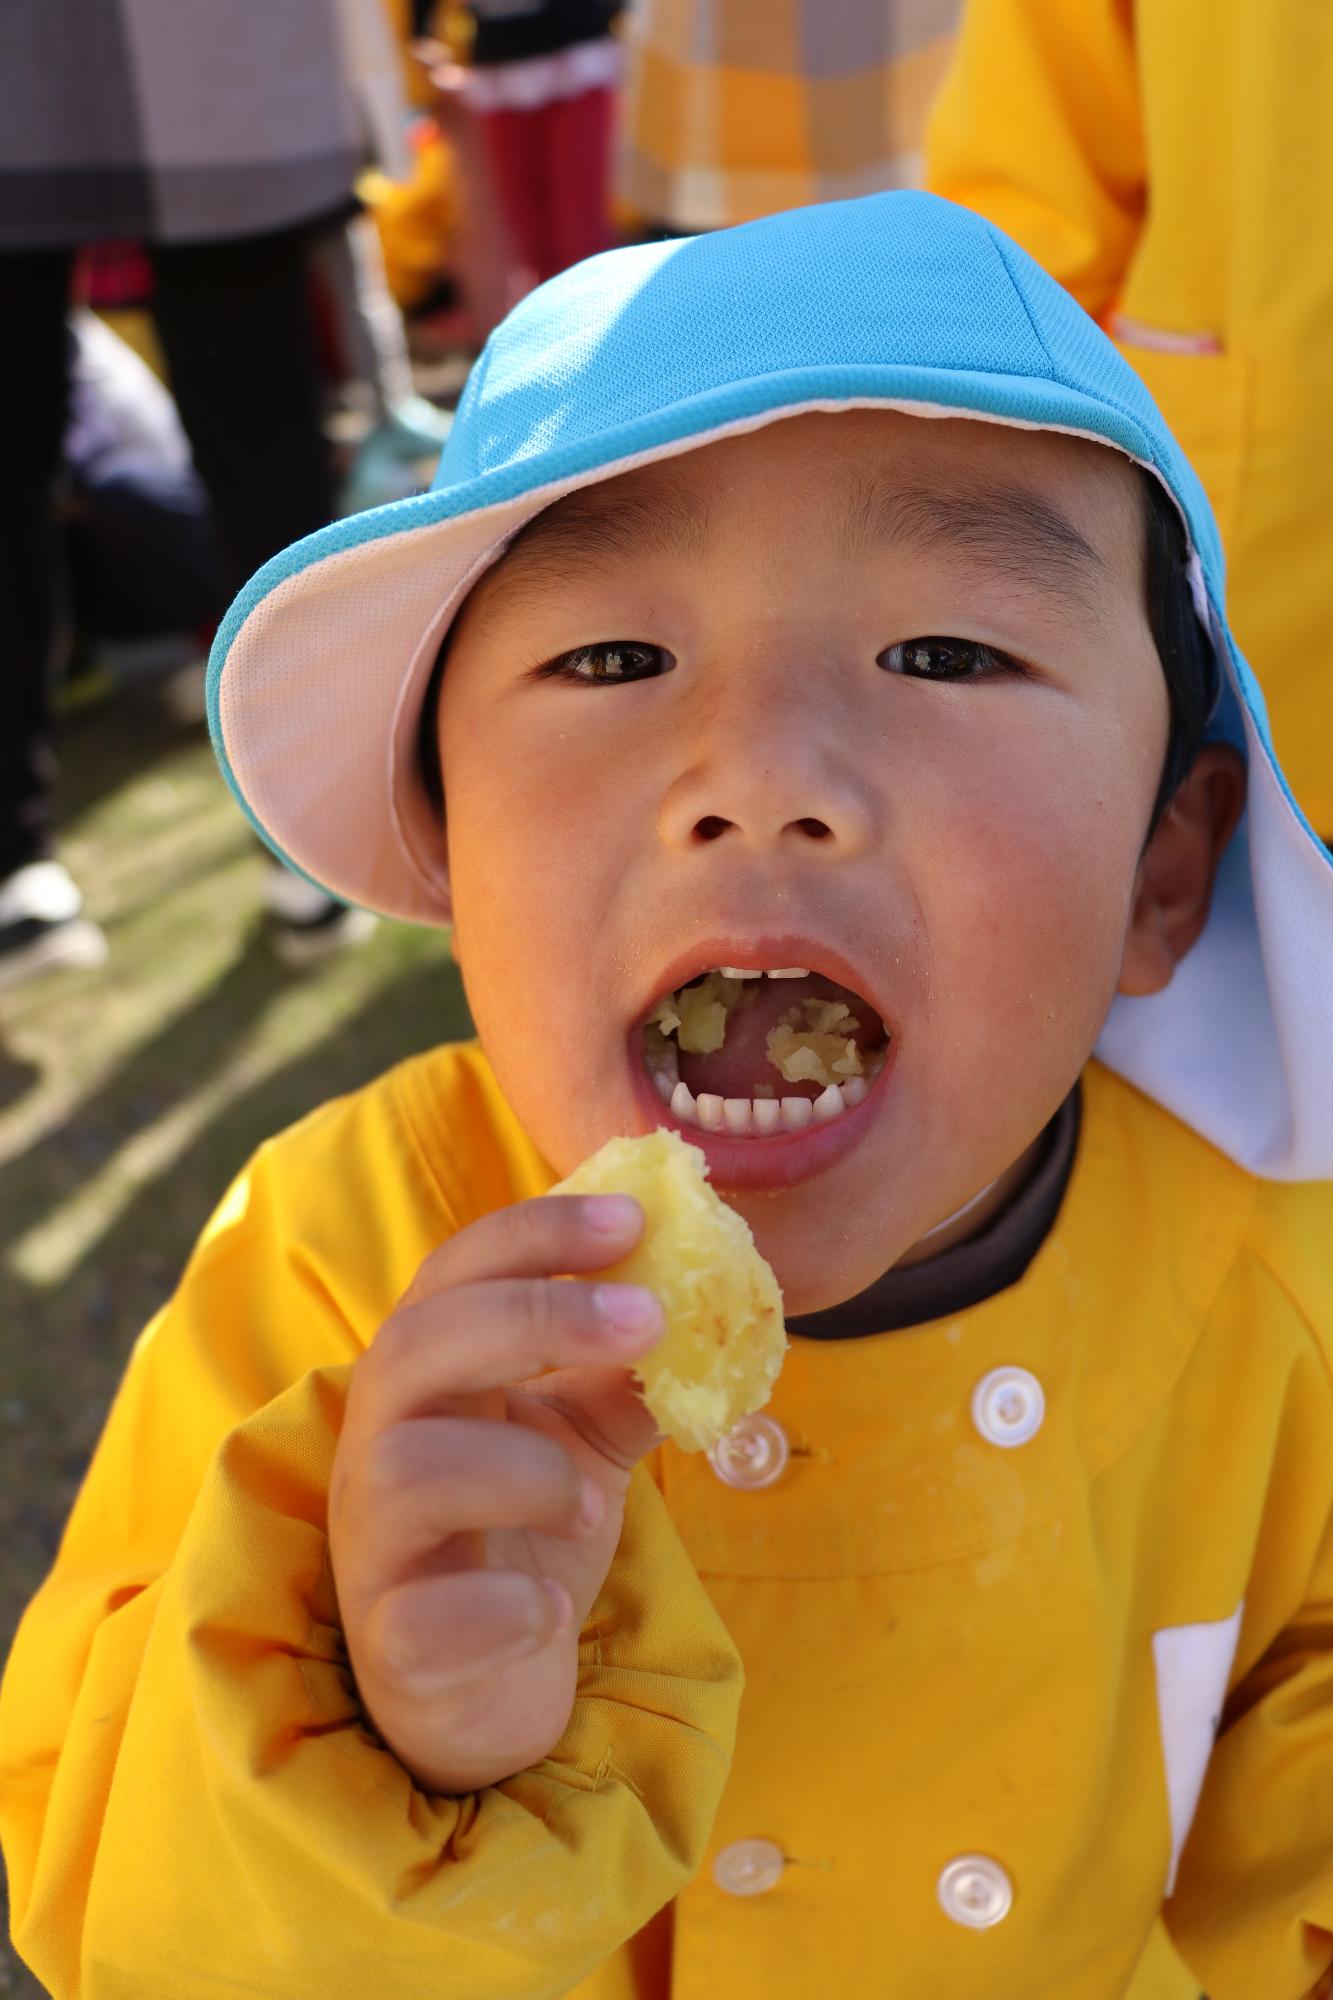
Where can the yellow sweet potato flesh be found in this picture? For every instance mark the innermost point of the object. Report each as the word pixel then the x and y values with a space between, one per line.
pixel 703 1025
pixel 822 1050
pixel 724 1339
pixel 811 1044
pixel 697 1015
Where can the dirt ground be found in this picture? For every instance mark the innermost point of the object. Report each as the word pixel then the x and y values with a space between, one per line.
pixel 129 1097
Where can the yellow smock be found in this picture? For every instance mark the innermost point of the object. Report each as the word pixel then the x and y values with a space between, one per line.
pixel 982 1677
pixel 1166 160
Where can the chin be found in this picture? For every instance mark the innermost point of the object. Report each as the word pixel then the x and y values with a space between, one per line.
pixel 813 1262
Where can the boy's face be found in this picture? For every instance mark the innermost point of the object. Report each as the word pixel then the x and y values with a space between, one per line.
pixel 767 774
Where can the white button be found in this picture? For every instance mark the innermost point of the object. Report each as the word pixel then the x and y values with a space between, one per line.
pixel 752 1454
pixel 974 1890
pixel 1008 1406
pixel 748 1867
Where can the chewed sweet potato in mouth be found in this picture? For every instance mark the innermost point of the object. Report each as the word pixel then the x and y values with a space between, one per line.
pixel 755 1054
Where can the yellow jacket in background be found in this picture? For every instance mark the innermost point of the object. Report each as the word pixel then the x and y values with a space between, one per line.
pixel 1167 161
pixel 1016 1570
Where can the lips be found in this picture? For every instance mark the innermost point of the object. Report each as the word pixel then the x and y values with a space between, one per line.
pixel 754 1164
pixel 720 1083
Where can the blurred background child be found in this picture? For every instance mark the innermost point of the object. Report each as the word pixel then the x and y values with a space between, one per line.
pixel 541 81
pixel 220 151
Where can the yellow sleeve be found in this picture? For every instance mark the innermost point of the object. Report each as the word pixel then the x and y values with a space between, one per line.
pixel 1253 1908
pixel 190 1797
pixel 1252 1912
pixel 1038 128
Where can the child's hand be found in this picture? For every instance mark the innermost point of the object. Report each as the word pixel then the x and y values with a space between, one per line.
pixel 479 1483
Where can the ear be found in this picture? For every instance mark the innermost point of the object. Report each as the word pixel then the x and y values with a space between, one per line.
pixel 1174 885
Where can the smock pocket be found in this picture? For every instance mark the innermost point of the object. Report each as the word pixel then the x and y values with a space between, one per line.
pixel 1205 398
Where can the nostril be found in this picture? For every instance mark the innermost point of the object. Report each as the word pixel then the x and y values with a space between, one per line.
pixel 712 826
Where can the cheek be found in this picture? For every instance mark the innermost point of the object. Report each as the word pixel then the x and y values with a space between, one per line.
pixel 513 820
pixel 541 850
pixel 519 874
pixel 1030 901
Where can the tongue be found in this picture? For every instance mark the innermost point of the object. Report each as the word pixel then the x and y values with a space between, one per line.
pixel 741 1065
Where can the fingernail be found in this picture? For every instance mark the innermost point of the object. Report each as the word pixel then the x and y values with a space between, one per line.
pixel 610 1214
pixel 628 1309
pixel 563 1602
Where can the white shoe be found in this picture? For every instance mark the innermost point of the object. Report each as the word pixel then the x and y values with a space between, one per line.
pixel 305 923
pixel 41 925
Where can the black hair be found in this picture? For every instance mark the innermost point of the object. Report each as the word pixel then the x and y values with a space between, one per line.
pixel 1183 647
pixel 428 734
pixel 1185 650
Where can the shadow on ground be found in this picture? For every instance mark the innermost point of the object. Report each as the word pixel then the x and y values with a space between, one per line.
pixel 73 1339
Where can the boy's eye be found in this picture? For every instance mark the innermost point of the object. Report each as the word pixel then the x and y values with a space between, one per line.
pixel 946 660
pixel 610 661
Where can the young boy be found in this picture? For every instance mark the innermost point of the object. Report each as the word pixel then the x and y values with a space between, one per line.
pixel 824 603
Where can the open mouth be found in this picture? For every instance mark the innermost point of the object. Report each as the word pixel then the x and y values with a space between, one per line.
pixel 758 1053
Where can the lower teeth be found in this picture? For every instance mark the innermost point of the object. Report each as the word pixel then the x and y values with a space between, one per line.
pixel 759 1117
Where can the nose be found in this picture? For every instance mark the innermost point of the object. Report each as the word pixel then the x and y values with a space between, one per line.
pixel 769 775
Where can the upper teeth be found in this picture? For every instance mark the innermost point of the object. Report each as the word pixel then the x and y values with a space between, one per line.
pixel 774 972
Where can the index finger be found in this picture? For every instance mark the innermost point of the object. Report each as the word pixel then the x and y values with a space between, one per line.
pixel 552 1233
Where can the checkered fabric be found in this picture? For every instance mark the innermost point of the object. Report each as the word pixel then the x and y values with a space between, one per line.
pixel 739 108
pixel 171 123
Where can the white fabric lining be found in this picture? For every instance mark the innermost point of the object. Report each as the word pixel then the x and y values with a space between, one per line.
pixel 530 82
pixel 1193 1664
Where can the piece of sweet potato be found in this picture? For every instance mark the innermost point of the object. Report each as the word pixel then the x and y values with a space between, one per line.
pixel 725 1338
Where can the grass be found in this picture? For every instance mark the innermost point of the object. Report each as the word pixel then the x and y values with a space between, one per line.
pixel 129 1097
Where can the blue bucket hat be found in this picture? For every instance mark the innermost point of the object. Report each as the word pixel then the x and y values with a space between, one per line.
pixel 902 301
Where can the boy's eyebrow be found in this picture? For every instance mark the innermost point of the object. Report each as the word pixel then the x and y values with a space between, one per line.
pixel 596 522
pixel 1006 528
